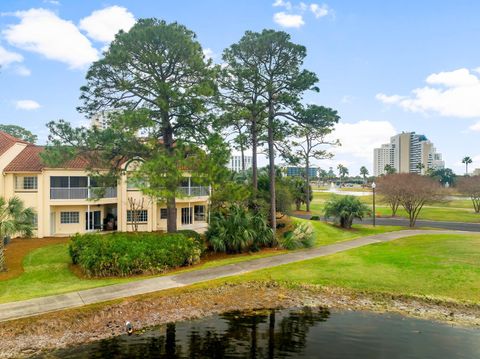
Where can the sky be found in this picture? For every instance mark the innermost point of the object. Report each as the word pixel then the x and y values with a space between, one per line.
pixel 385 66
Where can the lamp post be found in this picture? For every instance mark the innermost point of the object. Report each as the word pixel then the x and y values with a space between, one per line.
pixel 373 189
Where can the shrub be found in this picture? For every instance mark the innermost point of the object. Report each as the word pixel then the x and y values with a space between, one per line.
pixel 123 254
pixel 302 236
pixel 315 218
pixel 237 230
pixel 345 209
pixel 190 233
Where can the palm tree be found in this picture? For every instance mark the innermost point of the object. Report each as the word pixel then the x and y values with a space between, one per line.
pixel 15 219
pixel 342 171
pixel 389 169
pixel 467 160
pixel 364 172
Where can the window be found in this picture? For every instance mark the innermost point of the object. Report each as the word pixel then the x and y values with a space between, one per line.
pixel 69 217
pixel 199 213
pixel 163 213
pixel 26 182
pixel 59 182
pixel 137 215
pixel 35 220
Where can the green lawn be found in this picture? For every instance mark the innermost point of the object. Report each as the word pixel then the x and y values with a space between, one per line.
pixel 47 269
pixel 458 210
pixel 437 266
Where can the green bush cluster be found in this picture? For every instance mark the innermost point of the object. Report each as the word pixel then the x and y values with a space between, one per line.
pixel 238 229
pixel 123 254
pixel 345 209
pixel 302 236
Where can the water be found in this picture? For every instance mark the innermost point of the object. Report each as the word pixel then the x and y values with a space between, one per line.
pixel 294 333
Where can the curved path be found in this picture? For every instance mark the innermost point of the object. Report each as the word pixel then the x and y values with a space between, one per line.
pixel 32 307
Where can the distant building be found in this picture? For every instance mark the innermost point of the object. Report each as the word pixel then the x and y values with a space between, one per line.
pixel 236 162
pixel 100 121
pixel 295 171
pixel 476 172
pixel 407 152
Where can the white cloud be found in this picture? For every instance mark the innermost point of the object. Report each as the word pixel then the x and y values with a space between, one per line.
pixel 280 3
pixel 360 138
pixel 103 25
pixel 53 2
pixel 454 93
pixel 288 20
pixel 27 105
pixel 208 53
pixel 9 57
pixel 22 70
pixel 389 100
pixel 475 127
pixel 319 10
pixel 43 32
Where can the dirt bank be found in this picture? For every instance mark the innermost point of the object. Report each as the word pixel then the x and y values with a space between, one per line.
pixel 30 336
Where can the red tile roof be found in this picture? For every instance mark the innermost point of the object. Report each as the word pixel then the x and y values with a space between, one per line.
pixel 29 160
pixel 7 141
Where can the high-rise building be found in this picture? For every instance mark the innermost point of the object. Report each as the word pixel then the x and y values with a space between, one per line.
pixel 236 162
pixel 295 171
pixel 407 152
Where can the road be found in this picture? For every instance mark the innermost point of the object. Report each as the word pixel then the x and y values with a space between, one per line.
pixel 454 226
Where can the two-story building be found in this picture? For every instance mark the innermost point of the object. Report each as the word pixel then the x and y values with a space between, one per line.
pixel 67 201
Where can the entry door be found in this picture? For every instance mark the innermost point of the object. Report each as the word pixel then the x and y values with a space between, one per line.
pixel 95 221
pixel 186 215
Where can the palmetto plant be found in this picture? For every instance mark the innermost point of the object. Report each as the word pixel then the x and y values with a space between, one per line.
pixel 345 209
pixel 237 230
pixel 15 219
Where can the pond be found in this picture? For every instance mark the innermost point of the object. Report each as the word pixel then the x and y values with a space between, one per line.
pixel 292 333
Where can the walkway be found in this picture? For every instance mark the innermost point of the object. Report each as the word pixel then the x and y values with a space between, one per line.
pixel 32 307
pixel 403 222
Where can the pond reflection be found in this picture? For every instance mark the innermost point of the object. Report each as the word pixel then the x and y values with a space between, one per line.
pixel 294 333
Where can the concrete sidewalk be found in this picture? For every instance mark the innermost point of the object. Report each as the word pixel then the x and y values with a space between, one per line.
pixel 32 307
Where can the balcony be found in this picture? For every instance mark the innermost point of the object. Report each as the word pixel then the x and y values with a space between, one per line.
pixel 82 192
pixel 199 191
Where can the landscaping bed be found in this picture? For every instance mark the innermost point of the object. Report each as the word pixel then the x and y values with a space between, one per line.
pixel 125 254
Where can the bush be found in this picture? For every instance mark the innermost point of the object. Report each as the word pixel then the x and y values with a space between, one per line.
pixel 236 230
pixel 302 236
pixel 190 233
pixel 123 254
pixel 315 218
pixel 345 209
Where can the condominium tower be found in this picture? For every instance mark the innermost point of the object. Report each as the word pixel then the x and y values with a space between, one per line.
pixel 407 152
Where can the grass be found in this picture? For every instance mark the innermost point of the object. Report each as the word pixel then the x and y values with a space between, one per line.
pixel 47 270
pixel 443 267
pixel 458 210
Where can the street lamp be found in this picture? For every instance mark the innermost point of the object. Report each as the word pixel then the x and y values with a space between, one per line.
pixel 373 189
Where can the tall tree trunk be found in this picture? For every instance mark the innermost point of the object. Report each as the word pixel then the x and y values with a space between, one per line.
pixel 254 156
pixel 242 153
pixel 271 158
pixel 171 187
pixel 307 179
pixel 3 266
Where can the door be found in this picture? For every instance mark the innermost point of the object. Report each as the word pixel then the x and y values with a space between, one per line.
pixel 53 223
pixel 186 215
pixel 95 220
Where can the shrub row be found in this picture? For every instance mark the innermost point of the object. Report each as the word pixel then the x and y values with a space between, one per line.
pixel 123 254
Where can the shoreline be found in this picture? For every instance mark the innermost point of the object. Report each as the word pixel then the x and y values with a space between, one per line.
pixel 30 336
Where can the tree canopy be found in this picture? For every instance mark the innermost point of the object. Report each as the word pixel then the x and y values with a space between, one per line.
pixel 19 132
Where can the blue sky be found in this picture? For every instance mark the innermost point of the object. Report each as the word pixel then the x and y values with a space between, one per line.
pixel 386 66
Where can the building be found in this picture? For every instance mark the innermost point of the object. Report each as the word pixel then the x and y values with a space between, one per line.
pixel 407 152
pixel 476 172
pixel 236 162
pixel 294 171
pixel 66 199
pixel 99 121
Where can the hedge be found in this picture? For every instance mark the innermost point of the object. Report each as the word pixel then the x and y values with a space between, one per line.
pixel 123 254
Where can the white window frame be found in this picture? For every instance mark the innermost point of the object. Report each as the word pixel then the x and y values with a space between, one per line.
pixel 70 217
pixel 142 216
pixel 20 183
